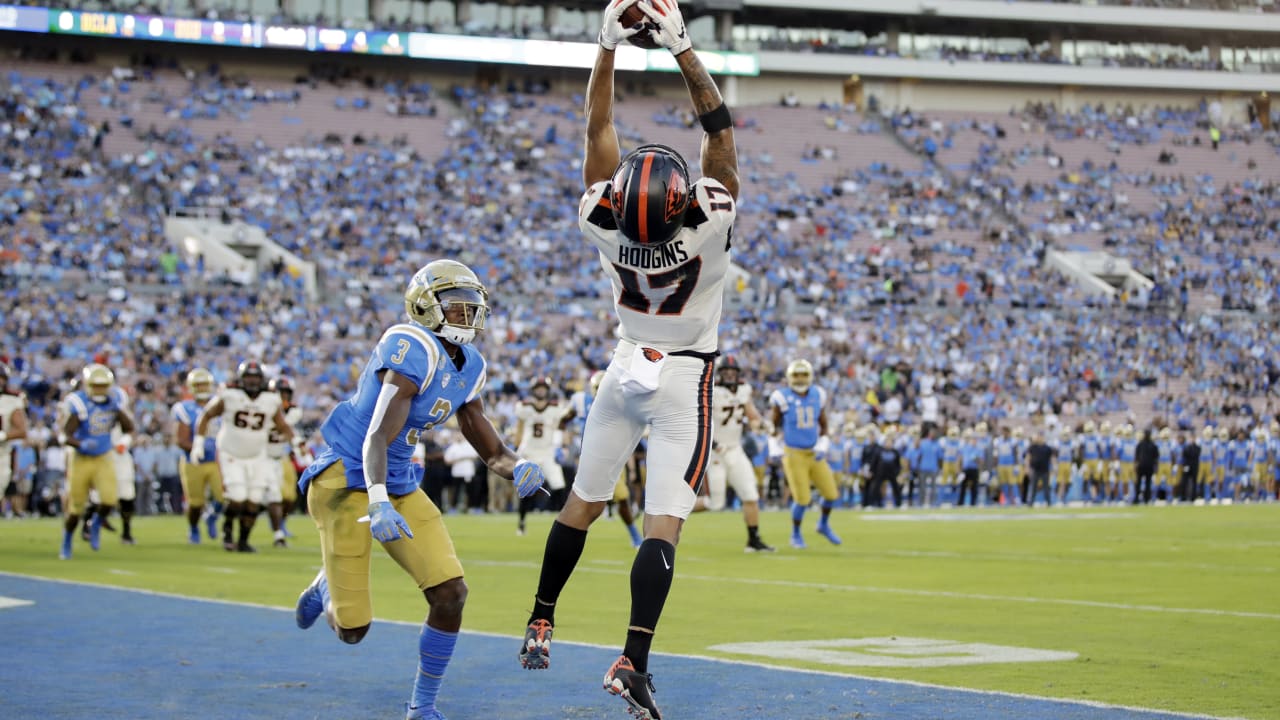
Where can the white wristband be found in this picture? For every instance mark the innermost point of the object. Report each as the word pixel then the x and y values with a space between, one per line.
pixel 378 493
pixel 197 440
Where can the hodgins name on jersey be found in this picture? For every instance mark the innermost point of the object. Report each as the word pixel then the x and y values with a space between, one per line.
pixel 648 258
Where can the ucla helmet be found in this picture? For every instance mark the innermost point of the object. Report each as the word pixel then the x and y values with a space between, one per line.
pixel 650 193
pixel 800 375
pixel 439 287
pixel 97 381
pixel 200 383
pixel 597 377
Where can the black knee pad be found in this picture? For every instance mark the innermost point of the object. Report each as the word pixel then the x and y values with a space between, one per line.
pixel 351 636
pixel 127 506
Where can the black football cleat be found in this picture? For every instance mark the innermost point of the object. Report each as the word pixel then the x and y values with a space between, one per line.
pixel 634 687
pixel 535 653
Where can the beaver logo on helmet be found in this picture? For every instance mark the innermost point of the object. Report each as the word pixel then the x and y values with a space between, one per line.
pixel 650 194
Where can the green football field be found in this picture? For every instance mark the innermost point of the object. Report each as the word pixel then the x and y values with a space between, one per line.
pixel 1173 608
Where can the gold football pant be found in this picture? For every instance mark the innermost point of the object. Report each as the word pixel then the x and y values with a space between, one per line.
pixel 803 471
pixel 199 478
pixel 91 471
pixel 346 544
pixel 288 480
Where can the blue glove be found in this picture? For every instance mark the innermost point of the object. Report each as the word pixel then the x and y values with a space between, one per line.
pixel 88 446
pixel 385 523
pixel 528 478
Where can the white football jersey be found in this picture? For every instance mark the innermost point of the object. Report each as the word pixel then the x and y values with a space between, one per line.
pixel 247 422
pixel 277 446
pixel 668 296
pixel 729 414
pixel 538 438
pixel 9 404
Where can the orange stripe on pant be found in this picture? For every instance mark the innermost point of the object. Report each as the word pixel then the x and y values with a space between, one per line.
pixel 698 467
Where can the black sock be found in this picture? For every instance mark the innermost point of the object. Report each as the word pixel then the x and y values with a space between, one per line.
pixel 753 533
pixel 229 520
pixel 126 518
pixel 651 575
pixel 637 649
pixel 564 548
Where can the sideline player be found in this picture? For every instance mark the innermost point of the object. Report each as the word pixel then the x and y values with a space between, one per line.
pixel 13 427
pixel 199 479
pixel 800 417
pixel 420 374
pixel 663 241
pixel 733 408
pixel 249 412
pixel 540 424
pixel 92 412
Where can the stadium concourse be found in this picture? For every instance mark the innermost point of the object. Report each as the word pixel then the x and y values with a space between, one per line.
pixel 898 252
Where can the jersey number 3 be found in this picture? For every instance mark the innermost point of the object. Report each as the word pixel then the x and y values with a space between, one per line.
pixel 684 277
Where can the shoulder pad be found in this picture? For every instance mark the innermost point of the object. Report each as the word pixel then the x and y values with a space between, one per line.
pixel 601 213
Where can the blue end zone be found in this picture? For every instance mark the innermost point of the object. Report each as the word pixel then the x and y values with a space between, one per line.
pixel 85 651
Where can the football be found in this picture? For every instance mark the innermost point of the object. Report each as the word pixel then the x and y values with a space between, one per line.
pixel 633 16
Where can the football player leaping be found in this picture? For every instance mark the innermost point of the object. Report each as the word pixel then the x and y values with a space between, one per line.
pixel 249 413
pixel 540 423
pixel 364 486
pixel 663 241
pixel 733 408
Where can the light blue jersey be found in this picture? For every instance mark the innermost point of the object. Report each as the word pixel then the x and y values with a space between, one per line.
pixel 187 412
pixel 96 420
pixel 1006 451
pixel 1066 450
pixel 800 414
pixel 1238 454
pixel 853 455
pixel 1091 447
pixel 418 355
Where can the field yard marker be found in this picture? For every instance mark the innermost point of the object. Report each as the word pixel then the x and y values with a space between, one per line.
pixel 8 602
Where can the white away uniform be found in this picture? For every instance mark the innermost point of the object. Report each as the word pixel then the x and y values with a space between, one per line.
pixel 668 300
pixel 9 404
pixel 283 484
pixel 247 472
pixel 541 436
pixel 730 465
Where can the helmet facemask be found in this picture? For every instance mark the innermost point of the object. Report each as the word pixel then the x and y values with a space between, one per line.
pixel 800 376
pixel 448 299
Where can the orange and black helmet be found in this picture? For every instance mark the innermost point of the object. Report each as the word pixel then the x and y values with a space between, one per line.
pixel 650 194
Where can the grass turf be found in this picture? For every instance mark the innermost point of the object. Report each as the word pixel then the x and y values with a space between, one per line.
pixel 1169 608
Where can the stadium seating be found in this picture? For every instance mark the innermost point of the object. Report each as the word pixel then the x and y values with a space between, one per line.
pixel 832 208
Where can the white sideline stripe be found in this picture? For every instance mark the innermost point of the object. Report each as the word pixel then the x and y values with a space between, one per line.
pixel 994 517
pixel 921 593
pixel 1015 557
pixel 706 658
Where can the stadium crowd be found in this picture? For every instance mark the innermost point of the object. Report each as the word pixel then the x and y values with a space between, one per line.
pixel 899 280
